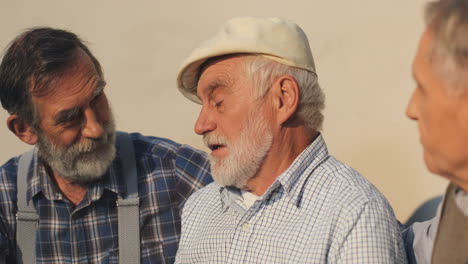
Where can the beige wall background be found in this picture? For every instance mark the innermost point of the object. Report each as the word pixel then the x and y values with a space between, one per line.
pixel 363 50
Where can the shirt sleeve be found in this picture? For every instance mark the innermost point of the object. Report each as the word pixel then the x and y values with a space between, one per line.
pixel 374 236
pixel 7 207
pixel 192 170
pixel 3 241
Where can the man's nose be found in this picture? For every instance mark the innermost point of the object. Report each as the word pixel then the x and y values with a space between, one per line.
pixel 411 108
pixel 204 123
pixel 92 127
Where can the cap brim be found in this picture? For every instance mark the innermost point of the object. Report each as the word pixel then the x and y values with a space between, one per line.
pixel 189 75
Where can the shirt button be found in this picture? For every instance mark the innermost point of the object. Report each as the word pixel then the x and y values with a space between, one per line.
pixel 246 227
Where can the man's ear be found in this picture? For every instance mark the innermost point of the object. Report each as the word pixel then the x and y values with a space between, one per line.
pixel 285 97
pixel 22 130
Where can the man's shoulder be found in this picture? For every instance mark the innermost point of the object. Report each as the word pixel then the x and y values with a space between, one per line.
pixel 359 214
pixel 153 145
pixel 8 171
pixel 205 197
pixel 11 164
pixel 345 185
pixel 8 189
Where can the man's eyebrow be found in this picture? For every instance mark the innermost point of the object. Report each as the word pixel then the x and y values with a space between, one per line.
pixel 218 83
pixel 71 114
pixel 213 87
pixel 208 90
pixel 67 115
pixel 99 88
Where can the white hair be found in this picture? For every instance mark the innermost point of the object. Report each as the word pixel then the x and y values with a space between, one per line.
pixel 264 72
pixel 448 21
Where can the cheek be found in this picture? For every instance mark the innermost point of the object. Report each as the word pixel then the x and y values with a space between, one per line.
pixel 425 120
pixel 230 129
pixel 64 138
pixel 58 135
pixel 441 135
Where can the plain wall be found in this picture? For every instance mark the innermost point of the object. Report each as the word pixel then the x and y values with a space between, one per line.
pixel 363 50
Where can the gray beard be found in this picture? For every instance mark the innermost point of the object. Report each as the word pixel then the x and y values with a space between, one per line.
pixel 82 162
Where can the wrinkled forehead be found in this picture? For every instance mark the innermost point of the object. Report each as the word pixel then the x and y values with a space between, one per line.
pixel 78 73
pixel 424 54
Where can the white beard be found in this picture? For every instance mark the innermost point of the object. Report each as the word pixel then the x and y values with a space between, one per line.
pixel 245 155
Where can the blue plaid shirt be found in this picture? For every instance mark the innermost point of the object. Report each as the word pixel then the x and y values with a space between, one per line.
pixel 318 211
pixel 88 233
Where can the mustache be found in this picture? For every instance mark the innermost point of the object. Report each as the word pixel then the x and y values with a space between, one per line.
pixel 88 145
pixel 214 139
pixel 92 145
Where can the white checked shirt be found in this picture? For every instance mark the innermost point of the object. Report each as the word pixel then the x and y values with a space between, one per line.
pixel 318 211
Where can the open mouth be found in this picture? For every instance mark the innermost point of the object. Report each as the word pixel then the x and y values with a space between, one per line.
pixel 215 146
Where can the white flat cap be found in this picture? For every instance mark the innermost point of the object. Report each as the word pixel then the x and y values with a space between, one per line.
pixel 276 38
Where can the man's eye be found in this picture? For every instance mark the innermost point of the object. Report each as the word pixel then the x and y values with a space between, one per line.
pixel 219 103
pixel 419 89
pixel 71 122
pixel 70 119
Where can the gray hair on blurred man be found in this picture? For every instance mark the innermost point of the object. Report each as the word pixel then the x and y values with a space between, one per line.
pixel 440 106
pixel 278 196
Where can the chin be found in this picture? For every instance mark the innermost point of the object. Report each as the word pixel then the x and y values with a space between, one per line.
pixel 429 161
pixel 435 166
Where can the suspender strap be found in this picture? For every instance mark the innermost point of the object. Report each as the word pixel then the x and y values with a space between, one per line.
pixel 26 217
pixel 128 208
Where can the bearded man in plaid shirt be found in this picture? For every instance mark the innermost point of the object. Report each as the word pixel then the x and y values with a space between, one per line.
pixel 53 88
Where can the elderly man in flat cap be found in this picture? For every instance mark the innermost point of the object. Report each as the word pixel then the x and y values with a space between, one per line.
pixel 278 196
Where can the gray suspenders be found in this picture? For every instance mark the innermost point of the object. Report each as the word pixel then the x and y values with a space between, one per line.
pixel 26 217
pixel 127 208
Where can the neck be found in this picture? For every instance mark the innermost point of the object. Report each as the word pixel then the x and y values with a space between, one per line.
pixel 458 175
pixel 461 183
pixel 286 147
pixel 74 192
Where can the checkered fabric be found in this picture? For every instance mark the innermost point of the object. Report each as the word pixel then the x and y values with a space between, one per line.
pixel 318 211
pixel 88 233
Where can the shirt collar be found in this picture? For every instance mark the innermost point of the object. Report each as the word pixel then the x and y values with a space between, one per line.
pixel 40 181
pixel 305 163
pixel 290 180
